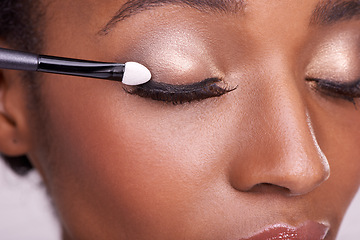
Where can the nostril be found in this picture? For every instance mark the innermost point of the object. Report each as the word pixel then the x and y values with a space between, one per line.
pixel 270 188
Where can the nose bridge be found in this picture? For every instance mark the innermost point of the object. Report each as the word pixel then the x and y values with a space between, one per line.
pixel 283 150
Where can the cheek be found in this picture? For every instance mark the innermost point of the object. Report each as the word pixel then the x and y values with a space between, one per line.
pixel 338 134
pixel 118 156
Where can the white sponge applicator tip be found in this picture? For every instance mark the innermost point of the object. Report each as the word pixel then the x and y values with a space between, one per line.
pixel 135 74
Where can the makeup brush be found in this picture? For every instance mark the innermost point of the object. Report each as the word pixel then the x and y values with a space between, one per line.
pixel 130 73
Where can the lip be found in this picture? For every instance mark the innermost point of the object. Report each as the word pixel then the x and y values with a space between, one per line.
pixel 308 230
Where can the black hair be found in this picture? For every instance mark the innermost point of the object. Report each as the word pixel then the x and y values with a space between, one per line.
pixel 18 28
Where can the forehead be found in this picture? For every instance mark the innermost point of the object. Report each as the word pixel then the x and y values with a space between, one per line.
pixel 94 19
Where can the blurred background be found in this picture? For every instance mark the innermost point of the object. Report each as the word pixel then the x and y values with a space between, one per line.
pixel 25 212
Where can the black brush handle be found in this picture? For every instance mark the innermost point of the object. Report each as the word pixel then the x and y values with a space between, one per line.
pixel 17 60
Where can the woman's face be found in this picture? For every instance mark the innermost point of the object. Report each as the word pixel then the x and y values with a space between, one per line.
pixel 279 150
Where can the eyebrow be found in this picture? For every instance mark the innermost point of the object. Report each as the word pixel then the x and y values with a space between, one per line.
pixel 332 11
pixel 133 7
pixel 327 12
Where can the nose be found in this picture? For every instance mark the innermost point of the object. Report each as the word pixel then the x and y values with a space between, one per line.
pixel 281 151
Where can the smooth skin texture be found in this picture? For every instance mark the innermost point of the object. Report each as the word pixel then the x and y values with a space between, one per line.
pixel 118 166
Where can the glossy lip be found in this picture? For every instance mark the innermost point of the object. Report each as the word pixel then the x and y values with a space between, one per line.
pixel 308 230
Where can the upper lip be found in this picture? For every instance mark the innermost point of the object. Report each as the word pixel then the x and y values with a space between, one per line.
pixel 308 230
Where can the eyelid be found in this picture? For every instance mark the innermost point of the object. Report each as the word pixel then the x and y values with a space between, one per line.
pixel 348 90
pixel 178 94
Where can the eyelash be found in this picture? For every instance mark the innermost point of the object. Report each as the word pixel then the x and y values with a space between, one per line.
pixel 208 88
pixel 348 91
pixel 180 94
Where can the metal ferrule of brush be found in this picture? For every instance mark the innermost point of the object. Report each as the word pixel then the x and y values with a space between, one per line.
pixel 111 71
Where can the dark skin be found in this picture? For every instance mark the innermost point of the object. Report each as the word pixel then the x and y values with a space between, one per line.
pixel 277 149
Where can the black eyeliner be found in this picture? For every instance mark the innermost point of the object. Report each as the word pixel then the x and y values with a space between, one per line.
pixel 178 94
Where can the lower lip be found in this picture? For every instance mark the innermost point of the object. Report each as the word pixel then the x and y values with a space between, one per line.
pixel 308 230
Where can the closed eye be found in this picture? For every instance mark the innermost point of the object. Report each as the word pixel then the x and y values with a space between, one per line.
pixel 348 91
pixel 179 94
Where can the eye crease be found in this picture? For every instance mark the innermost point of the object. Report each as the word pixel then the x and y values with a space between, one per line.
pixel 348 91
pixel 179 94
